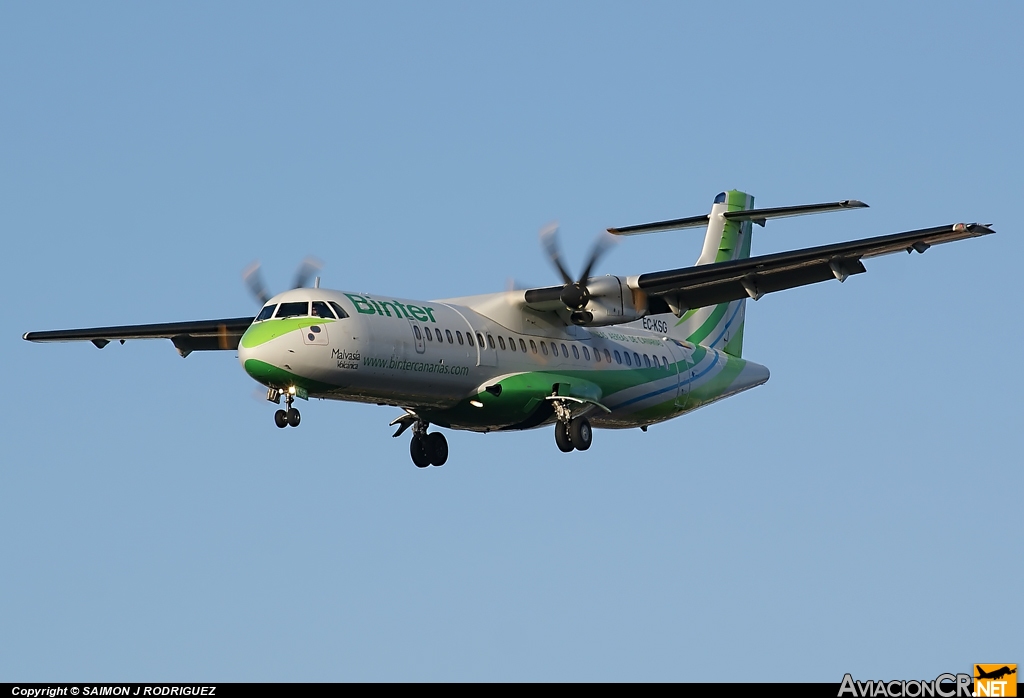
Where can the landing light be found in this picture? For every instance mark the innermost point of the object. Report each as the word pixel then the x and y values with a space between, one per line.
pixel 476 403
pixel 291 390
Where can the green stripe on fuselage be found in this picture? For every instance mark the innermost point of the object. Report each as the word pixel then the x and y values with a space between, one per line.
pixel 262 332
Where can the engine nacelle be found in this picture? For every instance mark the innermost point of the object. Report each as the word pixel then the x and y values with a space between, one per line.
pixel 612 302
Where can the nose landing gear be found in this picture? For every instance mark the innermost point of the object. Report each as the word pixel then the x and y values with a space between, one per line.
pixel 284 418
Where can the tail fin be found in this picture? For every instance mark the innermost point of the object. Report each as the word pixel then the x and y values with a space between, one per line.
pixel 720 326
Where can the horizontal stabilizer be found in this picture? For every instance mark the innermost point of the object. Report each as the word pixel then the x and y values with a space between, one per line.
pixel 757 215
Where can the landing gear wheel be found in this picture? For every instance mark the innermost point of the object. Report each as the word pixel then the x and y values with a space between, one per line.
pixel 418 451
pixel 562 438
pixel 580 433
pixel 437 448
pixel 293 417
pixel 281 419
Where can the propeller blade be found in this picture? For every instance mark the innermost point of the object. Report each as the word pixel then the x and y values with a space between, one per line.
pixel 603 243
pixel 549 238
pixel 309 267
pixel 254 280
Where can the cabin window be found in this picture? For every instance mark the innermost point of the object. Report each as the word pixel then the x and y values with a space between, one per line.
pixel 448 334
pixel 458 336
pixel 490 341
pixel 501 342
pixel 628 362
pixel 266 313
pixel 469 338
pixel 664 362
pixel 416 331
pixel 321 309
pixel 480 340
pixel 533 346
pixel 554 349
pixel 647 361
pixel 430 335
pixel 544 348
pixel 618 356
pixel 522 346
pixel 339 310
pixel 575 352
pixel 299 309
pixel 586 353
pixel 608 356
pixel 512 343
pixel 637 358
pixel 597 355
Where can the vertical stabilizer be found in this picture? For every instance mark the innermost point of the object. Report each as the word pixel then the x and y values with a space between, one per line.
pixel 720 326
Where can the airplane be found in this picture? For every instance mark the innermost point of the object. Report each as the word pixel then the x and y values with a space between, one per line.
pixel 611 352
pixel 995 674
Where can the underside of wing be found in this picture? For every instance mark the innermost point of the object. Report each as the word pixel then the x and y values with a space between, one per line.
pixel 200 335
pixel 709 284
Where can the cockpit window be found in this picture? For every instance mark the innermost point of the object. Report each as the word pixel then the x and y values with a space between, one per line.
pixel 299 309
pixel 339 310
pixel 266 313
pixel 320 309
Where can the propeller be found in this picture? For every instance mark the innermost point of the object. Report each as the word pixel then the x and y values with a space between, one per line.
pixel 575 294
pixel 306 271
pixel 253 277
pixel 254 280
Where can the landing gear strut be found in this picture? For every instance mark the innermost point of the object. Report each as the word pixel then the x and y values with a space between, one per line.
pixel 427 449
pixel 283 418
pixel 572 433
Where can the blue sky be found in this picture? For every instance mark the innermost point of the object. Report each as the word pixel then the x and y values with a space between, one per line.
pixel 853 514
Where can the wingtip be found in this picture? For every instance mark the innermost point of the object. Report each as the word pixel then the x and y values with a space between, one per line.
pixel 855 203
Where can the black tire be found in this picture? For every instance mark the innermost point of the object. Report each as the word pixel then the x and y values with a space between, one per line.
pixel 581 434
pixel 281 419
pixel 418 451
pixel 294 417
pixel 437 448
pixel 562 438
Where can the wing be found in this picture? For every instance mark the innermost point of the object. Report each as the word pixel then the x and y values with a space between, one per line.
pixel 187 337
pixel 709 284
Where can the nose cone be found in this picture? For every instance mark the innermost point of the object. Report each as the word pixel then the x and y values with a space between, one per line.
pixel 254 355
pixel 247 351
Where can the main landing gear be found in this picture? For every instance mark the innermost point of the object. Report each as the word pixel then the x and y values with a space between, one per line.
pixel 572 433
pixel 284 418
pixel 427 449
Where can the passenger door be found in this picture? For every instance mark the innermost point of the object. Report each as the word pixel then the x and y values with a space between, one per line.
pixel 681 359
pixel 417 335
pixel 485 356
